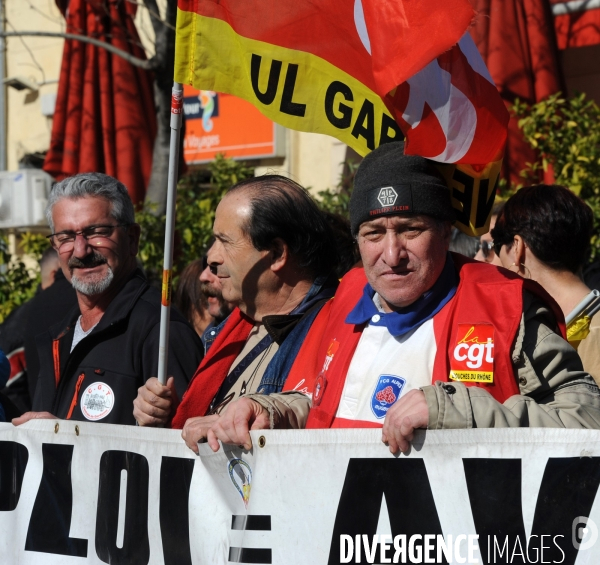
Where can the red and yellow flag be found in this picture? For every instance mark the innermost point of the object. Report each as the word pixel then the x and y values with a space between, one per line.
pixel 363 71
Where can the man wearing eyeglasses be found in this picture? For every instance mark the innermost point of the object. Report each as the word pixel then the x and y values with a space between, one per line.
pixel 93 362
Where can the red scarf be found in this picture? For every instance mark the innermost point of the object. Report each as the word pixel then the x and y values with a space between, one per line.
pixel 213 369
pixel 485 294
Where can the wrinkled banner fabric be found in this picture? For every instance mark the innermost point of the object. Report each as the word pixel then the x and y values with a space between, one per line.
pixel 93 493
pixel 363 71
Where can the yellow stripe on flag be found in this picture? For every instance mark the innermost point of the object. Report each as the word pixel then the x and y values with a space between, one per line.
pixel 293 88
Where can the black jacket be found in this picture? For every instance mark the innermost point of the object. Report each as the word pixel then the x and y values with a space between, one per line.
pixel 47 308
pixel 99 380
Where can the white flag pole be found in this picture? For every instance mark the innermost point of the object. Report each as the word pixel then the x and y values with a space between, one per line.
pixel 165 309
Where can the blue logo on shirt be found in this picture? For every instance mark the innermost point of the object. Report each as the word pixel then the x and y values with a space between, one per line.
pixel 387 391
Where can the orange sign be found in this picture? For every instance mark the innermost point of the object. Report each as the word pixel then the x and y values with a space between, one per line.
pixel 473 356
pixel 222 123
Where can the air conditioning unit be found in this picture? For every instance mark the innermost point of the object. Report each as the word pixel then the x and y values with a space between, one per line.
pixel 23 198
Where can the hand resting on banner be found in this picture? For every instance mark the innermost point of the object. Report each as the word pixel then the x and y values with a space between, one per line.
pixel 403 418
pixel 234 425
pixel 196 430
pixel 33 416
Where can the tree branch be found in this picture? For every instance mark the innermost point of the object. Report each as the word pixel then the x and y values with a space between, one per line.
pixel 147 64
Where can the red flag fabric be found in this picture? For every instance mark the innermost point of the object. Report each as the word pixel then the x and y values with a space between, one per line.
pixel 105 118
pixel 451 111
pixel 326 67
pixel 363 71
pixel 517 42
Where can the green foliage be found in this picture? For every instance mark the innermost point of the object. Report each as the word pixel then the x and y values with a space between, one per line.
pixel 338 200
pixel 197 201
pixel 566 134
pixel 18 283
pixel 334 201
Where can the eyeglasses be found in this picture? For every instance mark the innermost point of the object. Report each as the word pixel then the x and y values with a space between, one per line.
pixel 65 240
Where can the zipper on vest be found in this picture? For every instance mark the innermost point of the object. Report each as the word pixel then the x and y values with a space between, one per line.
pixel 76 395
pixel 56 359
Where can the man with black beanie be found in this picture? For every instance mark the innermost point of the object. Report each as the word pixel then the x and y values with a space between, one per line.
pixel 423 338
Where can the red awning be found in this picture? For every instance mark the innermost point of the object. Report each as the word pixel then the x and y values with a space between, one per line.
pixel 105 118
pixel 517 42
pixel 577 22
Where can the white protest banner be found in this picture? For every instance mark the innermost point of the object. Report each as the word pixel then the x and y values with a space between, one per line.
pixel 77 493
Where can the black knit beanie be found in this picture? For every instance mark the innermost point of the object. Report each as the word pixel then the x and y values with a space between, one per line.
pixel 390 183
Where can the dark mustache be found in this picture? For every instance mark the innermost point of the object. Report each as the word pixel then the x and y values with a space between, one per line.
pixel 209 290
pixel 92 260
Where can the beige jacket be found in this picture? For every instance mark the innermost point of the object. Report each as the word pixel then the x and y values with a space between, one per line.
pixel 589 349
pixel 555 390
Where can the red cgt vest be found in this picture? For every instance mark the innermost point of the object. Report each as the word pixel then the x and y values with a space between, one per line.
pixel 487 298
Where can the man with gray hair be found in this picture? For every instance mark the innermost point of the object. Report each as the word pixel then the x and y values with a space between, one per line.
pixel 93 362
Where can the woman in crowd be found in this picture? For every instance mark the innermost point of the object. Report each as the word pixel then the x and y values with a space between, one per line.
pixel 189 298
pixel 543 233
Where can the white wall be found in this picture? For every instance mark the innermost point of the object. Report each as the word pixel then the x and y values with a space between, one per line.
pixel 35 58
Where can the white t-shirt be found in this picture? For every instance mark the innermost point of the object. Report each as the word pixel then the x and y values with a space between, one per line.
pixel 79 333
pixel 384 368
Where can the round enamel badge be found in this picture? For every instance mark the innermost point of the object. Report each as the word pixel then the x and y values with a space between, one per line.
pixel 97 401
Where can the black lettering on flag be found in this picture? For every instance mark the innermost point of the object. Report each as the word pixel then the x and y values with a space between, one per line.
pixel 407 493
pixel 344 120
pixel 136 545
pixel 365 124
pixel 175 481
pixel 389 126
pixel 465 197
pixel 287 106
pixel 13 462
pixel 484 201
pixel 50 520
pixel 568 489
pixel 269 94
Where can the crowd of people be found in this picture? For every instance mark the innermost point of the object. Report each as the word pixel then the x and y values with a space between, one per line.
pixel 300 319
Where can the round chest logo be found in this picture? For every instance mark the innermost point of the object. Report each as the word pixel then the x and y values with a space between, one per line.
pixel 97 401
pixel 386 393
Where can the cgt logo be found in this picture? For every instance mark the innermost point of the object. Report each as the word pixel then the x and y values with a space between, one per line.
pixel 472 358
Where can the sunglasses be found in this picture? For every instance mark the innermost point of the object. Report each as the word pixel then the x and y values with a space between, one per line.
pixel 487 249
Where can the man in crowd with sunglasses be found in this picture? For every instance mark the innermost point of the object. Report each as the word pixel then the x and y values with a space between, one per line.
pixel 93 361
pixel 421 338
pixel 485 251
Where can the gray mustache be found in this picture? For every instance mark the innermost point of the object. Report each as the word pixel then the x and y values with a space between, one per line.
pixel 92 260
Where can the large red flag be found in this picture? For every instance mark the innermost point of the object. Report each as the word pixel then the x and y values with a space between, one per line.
pixel 363 71
pixel 104 119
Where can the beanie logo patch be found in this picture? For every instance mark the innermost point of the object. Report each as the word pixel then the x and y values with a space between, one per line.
pixel 387 196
